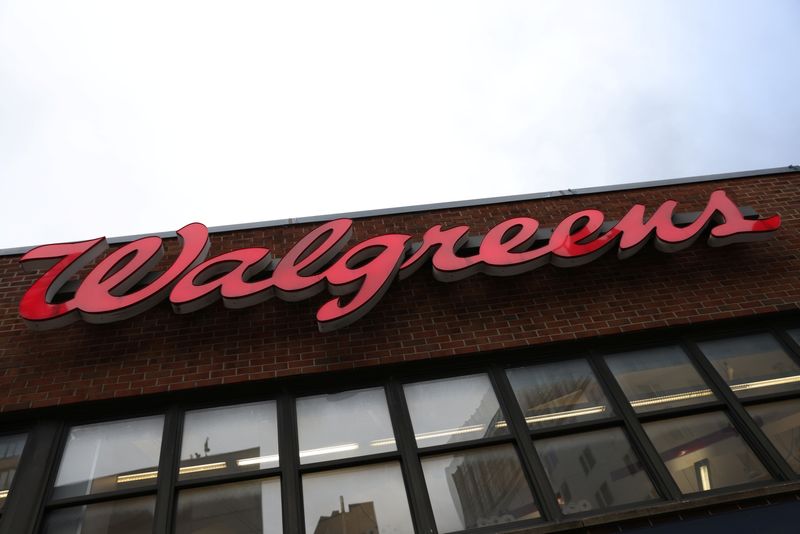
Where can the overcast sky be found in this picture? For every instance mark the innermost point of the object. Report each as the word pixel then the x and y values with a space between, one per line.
pixel 123 118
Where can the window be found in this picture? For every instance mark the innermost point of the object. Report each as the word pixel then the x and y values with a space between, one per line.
pixel 513 442
pixel 337 433
pixel 10 452
pixel 110 458
pixel 468 487
pixel 228 478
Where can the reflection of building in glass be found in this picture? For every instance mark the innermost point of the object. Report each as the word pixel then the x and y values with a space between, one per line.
pixel 10 451
pixel 488 488
pixel 359 519
pixel 215 464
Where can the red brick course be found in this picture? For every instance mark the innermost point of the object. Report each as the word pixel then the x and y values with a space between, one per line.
pixel 419 318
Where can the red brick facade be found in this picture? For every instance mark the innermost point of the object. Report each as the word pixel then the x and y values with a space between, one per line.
pixel 419 318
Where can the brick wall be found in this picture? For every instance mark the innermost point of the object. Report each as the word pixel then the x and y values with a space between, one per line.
pixel 419 318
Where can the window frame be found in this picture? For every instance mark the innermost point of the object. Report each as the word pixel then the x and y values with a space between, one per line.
pixel 46 437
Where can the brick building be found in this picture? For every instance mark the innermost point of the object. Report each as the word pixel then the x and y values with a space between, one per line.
pixel 644 394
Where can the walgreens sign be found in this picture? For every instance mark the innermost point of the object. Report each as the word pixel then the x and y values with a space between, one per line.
pixel 122 284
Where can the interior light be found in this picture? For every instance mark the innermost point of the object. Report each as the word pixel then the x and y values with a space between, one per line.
pixel 766 383
pixel 450 432
pixel 135 477
pixel 3 494
pixel 257 460
pixel 202 467
pixel 329 450
pixel 565 414
pixel 703 475
pixel 381 442
pixel 671 398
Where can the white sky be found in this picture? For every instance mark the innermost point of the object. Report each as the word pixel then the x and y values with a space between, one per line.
pixel 133 117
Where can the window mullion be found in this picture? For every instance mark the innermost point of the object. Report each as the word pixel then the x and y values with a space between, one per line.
pixel 422 511
pixel 788 342
pixel 663 481
pixel 291 487
pixel 761 445
pixel 168 471
pixel 535 471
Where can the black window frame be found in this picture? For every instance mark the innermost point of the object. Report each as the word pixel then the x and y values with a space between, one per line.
pixel 47 429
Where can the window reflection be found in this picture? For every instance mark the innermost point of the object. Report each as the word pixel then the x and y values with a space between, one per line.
pixel 110 456
pixel 594 470
pixel 252 507
pixel 454 409
pixel 478 488
pixel 10 452
pixel 705 452
pixel 128 516
pixel 343 425
pixel 558 393
pixel 780 421
pixel 658 378
pixel 357 500
pixel 753 365
pixel 229 439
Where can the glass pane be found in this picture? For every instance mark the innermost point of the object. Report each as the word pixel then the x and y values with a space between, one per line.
pixel 594 470
pixel 753 365
pixel 128 516
pixel 358 500
pixel 10 452
pixel 343 425
pixel 705 452
pixel 558 393
pixel 229 439
pixel 252 507
pixel 658 378
pixel 454 409
pixel 780 421
pixel 110 456
pixel 478 488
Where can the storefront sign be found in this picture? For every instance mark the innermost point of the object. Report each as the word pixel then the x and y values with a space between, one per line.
pixel 119 287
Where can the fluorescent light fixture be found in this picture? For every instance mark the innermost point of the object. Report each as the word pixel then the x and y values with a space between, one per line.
pixel 202 467
pixel 3 494
pixel 565 414
pixel 135 477
pixel 450 432
pixel 671 398
pixel 329 450
pixel 703 476
pixel 257 460
pixel 381 442
pixel 766 383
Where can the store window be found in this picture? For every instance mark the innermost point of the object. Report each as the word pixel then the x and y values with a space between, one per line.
pixel 595 470
pixel 338 428
pixel 220 447
pixel 10 452
pixel 230 439
pixel 780 421
pixel 753 365
pixel 344 425
pixel 107 458
pixel 559 394
pixel 705 452
pixel 658 379
pixel 499 443
pixel 248 507
pixel 467 487
pixel 366 499
pixel 454 409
